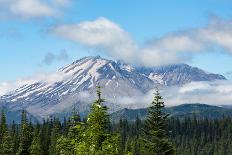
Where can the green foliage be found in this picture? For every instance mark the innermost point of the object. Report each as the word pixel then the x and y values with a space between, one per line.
pixel 36 147
pixel 96 139
pixel 156 141
pixel 15 137
pixel 25 136
pixel 97 136
pixel 7 147
pixel 54 136
pixel 3 125
pixel 65 146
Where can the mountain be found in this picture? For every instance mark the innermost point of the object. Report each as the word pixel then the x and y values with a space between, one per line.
pixel 201 111
pixel 178 74
pixel 75 84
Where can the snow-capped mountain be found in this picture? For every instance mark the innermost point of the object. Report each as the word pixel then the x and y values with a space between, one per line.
pixel 75 84
pixel 178 74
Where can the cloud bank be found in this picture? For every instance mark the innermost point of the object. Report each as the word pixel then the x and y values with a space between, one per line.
pixel 172 48
pixel 213 93
pixel 26 9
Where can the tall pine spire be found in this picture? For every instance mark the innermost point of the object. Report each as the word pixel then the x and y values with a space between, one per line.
pixel 157 142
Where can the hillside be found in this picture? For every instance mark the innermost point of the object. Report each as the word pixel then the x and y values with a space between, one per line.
pixel 201 111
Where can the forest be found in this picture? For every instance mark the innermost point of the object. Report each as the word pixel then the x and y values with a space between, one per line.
pixel 158 134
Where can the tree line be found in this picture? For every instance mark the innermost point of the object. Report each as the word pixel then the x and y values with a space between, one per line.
pixel 159 134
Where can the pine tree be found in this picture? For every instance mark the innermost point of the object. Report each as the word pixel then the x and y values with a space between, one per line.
pixel 123 127
pixel 75 120
pixel 3 126
pixel 96 140
pixel 45 136
pixel 14 135
pixel 25 136
pixel 7 144
pixel 54 136
pixel 157 142
pixel 36 147
pixel 75 117
pixel 66 144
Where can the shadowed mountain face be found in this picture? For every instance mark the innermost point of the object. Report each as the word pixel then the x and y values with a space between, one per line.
pixel 75 84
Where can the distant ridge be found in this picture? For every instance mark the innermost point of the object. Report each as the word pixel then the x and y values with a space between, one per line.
pixel 201 111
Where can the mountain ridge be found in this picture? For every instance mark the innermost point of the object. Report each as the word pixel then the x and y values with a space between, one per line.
pixel 75 84
pixel 200 111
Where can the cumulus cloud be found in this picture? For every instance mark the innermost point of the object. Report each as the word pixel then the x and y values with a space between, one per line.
pixel 172 48
pixel 51 57
pixel 31 8
pixel 101 33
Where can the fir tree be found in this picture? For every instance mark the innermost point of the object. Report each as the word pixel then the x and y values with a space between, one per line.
pixel 7 144
pixel 96 140
pixel 14 135
pixel 54 136
pixel 45 136
pixel 157 142
pixel 25 136
pixel 3 126
pixel 36 147
pixel 75 119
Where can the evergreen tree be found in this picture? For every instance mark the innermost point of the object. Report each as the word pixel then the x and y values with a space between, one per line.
pixel 6 144
pixel 14 135
pixel 36 147
pixel 66 143
pixel 7 147
pixel 75 119
pixel 54 136
pixel 96 140
pixel 25 136
pixel 75 123
pixel 45 136
pixel 3 126
pixel 157 142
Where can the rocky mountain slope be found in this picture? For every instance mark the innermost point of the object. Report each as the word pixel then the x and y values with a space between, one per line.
pixel 75 84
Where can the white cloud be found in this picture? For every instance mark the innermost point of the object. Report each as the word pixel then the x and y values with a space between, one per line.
pixel 26 9
pixel 48 78
pixel 102 34
pixel 178 47
pixel 213 93
pixel 31 8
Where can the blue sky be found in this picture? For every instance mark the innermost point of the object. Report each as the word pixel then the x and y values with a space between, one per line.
pixel 26 38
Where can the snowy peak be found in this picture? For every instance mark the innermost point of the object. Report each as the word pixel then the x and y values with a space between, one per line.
pixel 75 84
pixel 178 74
